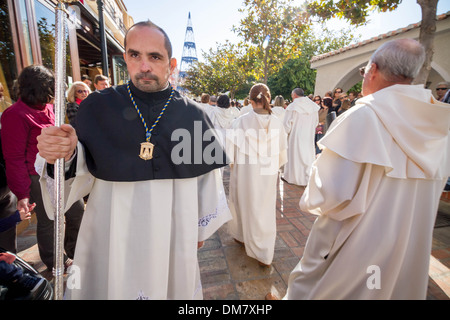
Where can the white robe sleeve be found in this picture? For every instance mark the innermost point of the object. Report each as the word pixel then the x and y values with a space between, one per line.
pixel 213 206
pixel 340 188
pixel 74 188
pixel 288 120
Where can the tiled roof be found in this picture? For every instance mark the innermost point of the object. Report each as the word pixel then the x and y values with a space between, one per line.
pixel 373 39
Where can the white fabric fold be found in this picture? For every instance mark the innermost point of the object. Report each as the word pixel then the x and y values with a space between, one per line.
pixel 392 121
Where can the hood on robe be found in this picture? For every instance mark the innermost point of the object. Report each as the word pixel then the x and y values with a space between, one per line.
pixel 401 127
pixel 260 135
pixel 303 105
pixel 222 117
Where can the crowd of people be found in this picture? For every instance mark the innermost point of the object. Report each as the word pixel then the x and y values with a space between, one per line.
pixel 153 200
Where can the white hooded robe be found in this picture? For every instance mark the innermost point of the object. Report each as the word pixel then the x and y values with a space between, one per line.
pixel 375 188
pixel 257 149
pixel 300 121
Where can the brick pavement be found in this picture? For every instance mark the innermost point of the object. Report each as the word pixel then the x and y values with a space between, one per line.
pixel 228 274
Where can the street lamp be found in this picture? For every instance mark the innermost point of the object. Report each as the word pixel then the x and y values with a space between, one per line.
pixel 103 47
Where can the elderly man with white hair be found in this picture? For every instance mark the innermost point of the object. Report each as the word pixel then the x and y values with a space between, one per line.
pixel 376 187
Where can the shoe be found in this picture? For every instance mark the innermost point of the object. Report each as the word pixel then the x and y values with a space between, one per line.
pixel 263 264
pixel 31 287
pixel 240 242
pixel 271 296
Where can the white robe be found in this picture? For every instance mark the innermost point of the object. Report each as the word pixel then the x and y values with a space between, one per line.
pixel 221 118
pixel 246 109
pixel 375 188
pixel 206 107
pixel 138 240
pixel 236 112
pixel 257 150
pixel 300 121
pixel 279 112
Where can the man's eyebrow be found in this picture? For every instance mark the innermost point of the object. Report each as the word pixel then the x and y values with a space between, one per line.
pixel 130 51
pixel 155 53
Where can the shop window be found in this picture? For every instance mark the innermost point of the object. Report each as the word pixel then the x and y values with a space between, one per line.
pixel 120 70
pixel 45 19
pixel 8 67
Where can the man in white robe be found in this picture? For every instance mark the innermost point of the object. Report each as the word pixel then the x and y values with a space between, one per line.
pixel 300 121
pixel 145 217
pixel 376 187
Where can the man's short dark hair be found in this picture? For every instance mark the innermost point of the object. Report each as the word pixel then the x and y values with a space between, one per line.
pixel 36 85
pixel 100 77
pixel 223 101
pixel 150 24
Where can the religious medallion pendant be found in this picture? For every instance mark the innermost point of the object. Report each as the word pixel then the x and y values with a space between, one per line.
pixel 146 150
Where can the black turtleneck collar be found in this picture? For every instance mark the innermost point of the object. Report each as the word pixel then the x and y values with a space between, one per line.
pixel 150 96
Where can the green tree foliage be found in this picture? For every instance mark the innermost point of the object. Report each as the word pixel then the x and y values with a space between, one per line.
pixel 270 29
pixel 226 68
pixel 354 11
pixel 298 72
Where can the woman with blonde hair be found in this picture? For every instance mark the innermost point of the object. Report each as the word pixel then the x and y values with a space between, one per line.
pixel 247 107
pixel 278 107
pixel 78 91
pixel 257 148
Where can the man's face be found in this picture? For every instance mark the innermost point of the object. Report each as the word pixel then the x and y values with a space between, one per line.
pixel 147 59
pixel 102 84
pixel 441 90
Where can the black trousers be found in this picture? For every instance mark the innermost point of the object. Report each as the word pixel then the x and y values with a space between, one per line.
pixel 45 226
pixel 8 205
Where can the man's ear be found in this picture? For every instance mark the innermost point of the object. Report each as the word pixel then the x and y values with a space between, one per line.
pixel 173 64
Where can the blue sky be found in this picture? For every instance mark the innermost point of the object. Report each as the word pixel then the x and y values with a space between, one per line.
pixel 212 20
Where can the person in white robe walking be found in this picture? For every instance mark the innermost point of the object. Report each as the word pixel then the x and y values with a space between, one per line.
pixel 300 121
pixel 204 103
pixel 147 213
pixel 222 115
pixel 246 108
pixel 257 149
pixel 376 187
pixel 278 107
